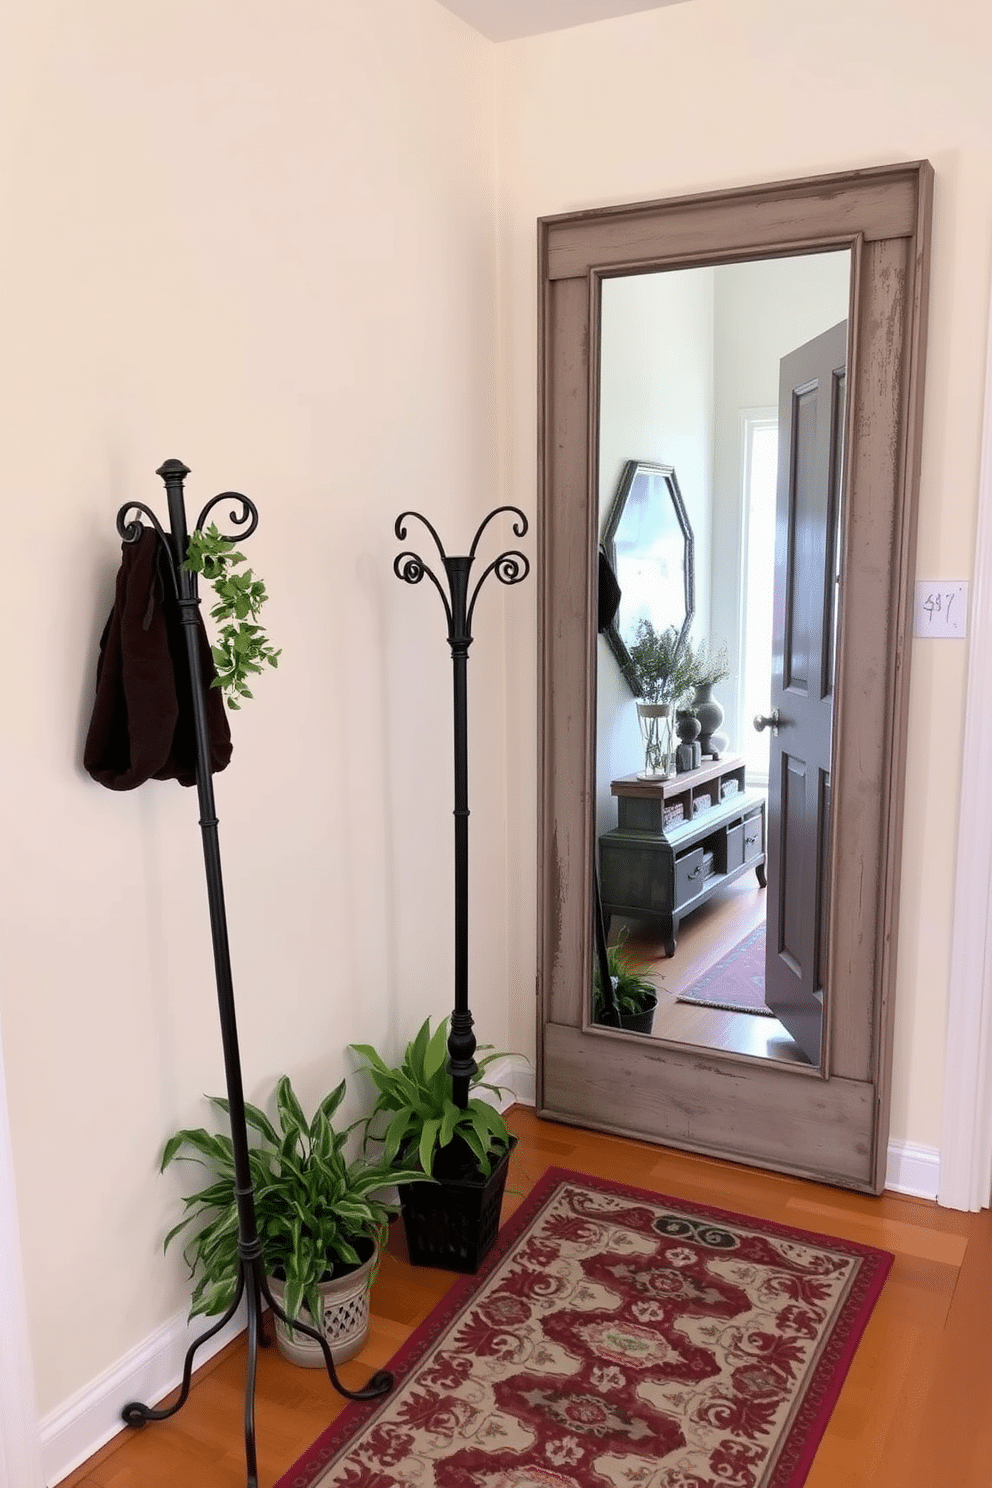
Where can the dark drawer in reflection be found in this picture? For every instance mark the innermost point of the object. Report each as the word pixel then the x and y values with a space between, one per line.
pixel 688 876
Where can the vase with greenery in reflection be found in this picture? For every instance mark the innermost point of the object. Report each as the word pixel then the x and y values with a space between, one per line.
pixel 664 667
pixel 712 666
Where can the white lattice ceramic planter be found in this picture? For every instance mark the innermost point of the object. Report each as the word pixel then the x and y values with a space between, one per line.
pixel 345 1323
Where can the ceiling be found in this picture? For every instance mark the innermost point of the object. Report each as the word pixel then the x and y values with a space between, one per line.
pixel 505 20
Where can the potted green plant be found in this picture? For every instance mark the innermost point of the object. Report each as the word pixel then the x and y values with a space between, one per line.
pixel 712 666
pixel 321 1219
pixel 635 994
pixel 453 1222
pixel 665 671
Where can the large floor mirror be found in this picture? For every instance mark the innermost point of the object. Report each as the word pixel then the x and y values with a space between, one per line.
pixel 731 394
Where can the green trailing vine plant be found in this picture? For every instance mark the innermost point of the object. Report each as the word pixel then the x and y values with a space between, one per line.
pixel 242 646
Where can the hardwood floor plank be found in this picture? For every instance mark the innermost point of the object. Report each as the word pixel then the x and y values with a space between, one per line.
pixel 913 1410
pixel 888 1234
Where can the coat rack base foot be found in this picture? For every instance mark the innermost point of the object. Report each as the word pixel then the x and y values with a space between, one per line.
pixel 251 1281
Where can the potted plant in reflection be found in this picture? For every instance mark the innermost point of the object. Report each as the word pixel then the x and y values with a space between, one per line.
pixel 665 671
pixel 712 666
pixel 635 995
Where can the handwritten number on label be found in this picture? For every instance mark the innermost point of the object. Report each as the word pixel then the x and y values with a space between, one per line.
pixel 935 602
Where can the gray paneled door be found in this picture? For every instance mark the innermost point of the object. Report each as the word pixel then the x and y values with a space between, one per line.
pixel 810 472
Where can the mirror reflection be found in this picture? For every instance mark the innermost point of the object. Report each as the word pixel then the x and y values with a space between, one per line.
pixel 648 552
pixel 733 376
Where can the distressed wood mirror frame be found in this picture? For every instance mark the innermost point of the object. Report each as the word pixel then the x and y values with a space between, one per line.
pixel 832 1122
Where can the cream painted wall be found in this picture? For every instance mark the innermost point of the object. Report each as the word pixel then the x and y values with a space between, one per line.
pixel 722 93
pixel 260 238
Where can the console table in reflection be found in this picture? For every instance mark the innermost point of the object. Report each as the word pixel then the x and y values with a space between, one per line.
pixel 678 842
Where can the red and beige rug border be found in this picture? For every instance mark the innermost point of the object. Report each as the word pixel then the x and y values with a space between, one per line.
pixel 820 1397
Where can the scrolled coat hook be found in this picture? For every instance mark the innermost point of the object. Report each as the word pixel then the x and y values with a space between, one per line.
pixel 510 567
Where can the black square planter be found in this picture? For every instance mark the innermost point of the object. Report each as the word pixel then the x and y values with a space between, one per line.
pixel 452 1224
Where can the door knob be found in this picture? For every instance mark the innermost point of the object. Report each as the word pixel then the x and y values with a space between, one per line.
pixel 771 721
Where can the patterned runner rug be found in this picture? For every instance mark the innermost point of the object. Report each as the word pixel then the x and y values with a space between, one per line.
pixel 737 983
pixel 617 1339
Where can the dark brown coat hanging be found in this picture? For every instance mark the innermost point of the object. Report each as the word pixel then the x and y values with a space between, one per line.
pixel 142 725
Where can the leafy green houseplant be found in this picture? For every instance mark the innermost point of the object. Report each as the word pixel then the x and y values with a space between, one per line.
pixel 453 1222
pixel 635 994
pixel 319 1215
pixel 423 1123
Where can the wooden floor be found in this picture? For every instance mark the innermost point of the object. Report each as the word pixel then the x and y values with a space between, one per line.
pixel 915 1410
pixel 704 938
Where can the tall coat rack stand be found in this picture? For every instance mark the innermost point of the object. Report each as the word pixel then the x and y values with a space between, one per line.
pixel 510 568
pixel 251 1274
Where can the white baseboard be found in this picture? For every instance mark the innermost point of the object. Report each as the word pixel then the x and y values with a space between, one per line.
pixel 516 1076
pixel 913 1170
pixel 91 1417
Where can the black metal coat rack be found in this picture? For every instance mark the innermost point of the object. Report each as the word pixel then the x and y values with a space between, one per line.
pixel 251 1274
pixel 510 568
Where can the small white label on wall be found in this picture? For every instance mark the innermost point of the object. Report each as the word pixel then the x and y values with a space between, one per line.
pixel 941 610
